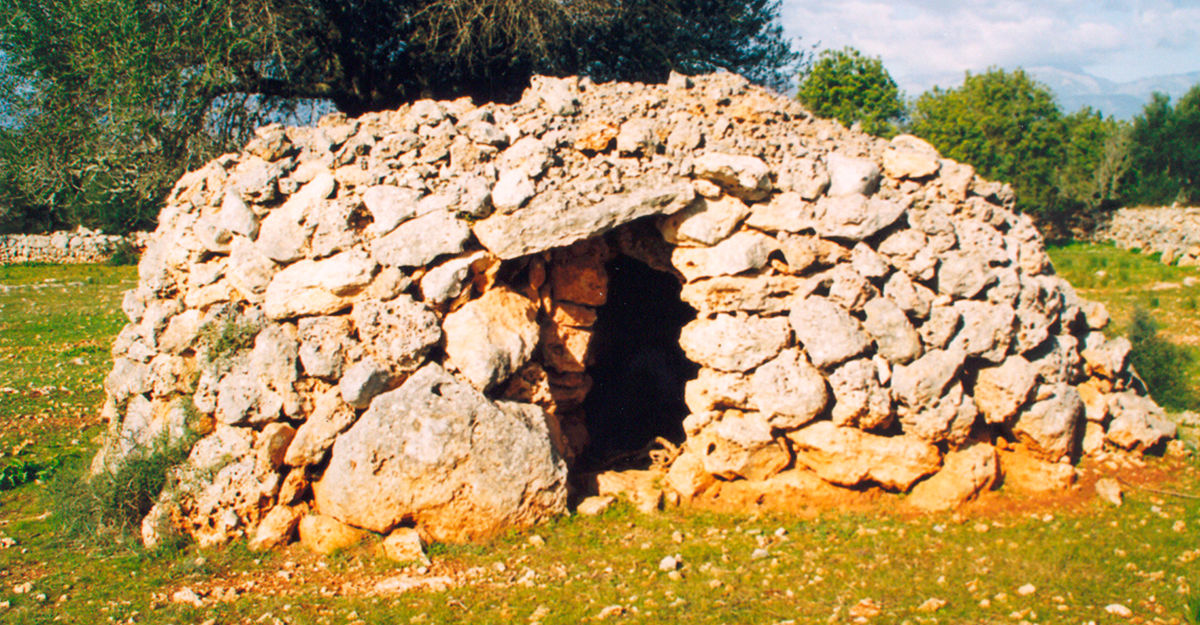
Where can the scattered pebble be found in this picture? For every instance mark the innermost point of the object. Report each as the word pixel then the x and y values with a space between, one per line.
pixel 867 608
pixel 21 589
pixel 759 554
pixel 1118 609
pixel 1026 590
pixel 612 610
pixel 187 595
pixel 677 536
pixel 669 563
pixel 1179 526
pixel 932 604
pixel 537 541
pixel 1109 490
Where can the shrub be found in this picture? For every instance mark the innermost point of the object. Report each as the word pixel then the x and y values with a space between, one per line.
pixel 1162 365
pixel 124 254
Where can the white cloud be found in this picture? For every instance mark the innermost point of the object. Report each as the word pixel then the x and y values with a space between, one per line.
pixel 936 41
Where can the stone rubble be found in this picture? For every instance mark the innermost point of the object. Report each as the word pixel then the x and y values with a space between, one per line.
pixel 385 324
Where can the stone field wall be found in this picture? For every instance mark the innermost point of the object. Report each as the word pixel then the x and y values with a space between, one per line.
pixel 1173 232
pixel 80 246
pixel 386 323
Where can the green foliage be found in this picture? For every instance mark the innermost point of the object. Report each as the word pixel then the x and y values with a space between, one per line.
pixel 110 101
pixel 1162 365
pixel 222 338
pixel 1067 170
pixel 110 504
pixel 1004 124
pixel 22 472
pixel 849 87
pixel 123 254
pixel 1165 154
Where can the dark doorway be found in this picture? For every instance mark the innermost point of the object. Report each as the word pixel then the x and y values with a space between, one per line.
pixel 640 370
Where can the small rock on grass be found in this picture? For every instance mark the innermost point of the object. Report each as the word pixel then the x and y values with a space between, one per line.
pixel 593 506
pixel 612 610
pixel 1026 590
pixel 932 604
pixel 1118 610
pixel 187 595
pixel 1109 490
pixel 669 563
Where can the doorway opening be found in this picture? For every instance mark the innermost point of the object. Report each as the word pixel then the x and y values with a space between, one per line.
pixel 639 369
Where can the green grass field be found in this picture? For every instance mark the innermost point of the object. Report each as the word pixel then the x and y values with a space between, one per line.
pixel 1011 558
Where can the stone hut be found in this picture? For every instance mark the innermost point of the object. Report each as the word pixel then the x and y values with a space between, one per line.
pixel 449 317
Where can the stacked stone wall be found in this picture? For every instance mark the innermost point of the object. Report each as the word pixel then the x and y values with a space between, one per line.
pixel 1172 232
pixel 63 247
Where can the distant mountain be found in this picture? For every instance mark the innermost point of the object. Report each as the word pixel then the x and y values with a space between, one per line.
pixel 1121 100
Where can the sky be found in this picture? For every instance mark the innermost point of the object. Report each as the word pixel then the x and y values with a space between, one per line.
pixel 929 43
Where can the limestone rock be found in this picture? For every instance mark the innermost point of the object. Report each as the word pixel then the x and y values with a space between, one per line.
pixel 419 241
pixel 318 287
pixel 548 224
pixel 965 473
pixel 948 419
pixel 1030 473
pixel 744 251
pixel 854 217
pixel 1048 427
pixel 705 221
pixel 362 382
pixel 399 332
pixel 786 212
pixel 860 400
pixel 740 445
pixel 641 488
pixel 909 160
pixel 390 206
pixel 923 382
pixel 913 298
pixel 989 333
pixel 326 535
pixel 961 275
pixel 788 391
pixel 687 476
pixel 850 457
pixel 446 281
pixel 322 341
pixel 438 452
pixel 404 545
pixel 277 529
pixel 895 337
pixel 712 390
pixel 730 343
pixel 1137 423
pixel 827 331
pixel 1109 359
pixel 748 293
pixel 488 339
pixel 1001 390
pixel 330 416
pixel 746 177
pixel 851 176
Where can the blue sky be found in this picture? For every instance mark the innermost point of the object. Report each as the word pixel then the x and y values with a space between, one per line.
pixel 923 44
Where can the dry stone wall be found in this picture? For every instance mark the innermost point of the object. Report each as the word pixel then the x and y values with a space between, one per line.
pixel 387 322
pixel 80 246
pixel 1173 232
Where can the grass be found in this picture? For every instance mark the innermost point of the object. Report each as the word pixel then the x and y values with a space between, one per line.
pixel 1142 293
pixel 818 566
